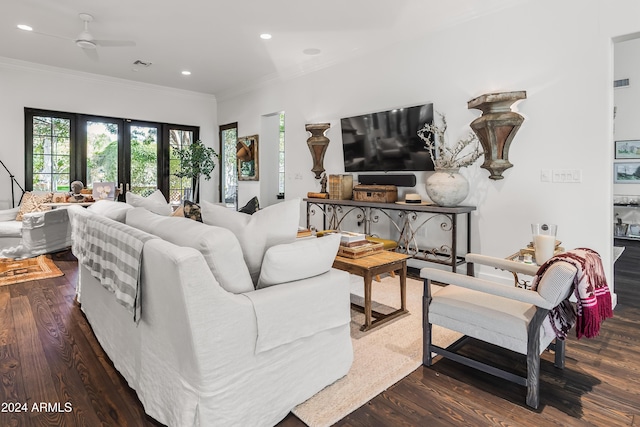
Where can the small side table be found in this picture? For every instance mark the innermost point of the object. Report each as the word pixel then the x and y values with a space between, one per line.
pixel 368 267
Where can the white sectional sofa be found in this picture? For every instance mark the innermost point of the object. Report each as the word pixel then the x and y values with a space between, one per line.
pixel 209 349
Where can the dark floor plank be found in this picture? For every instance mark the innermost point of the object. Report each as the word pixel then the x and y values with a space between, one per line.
pixel 36 371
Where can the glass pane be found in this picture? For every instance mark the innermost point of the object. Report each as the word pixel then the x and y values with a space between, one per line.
pixel 179 188
pixel 38 146
pixel 230 173
pixel 39 164
pixel 60 164
pixel 61 146
pixel 60 183
pixel 144 160
pixel 41 126
pixel 60 128
pixel 102 152
pixel 41 182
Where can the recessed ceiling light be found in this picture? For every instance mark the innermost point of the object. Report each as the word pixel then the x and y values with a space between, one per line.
pixel 312 51
pixel 265 36
pixel 25 27
pixel 186 73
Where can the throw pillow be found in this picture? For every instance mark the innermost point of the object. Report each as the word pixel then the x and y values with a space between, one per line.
pixel 251 207
pixel 32 202
pixel 218 246
pixel 155 202
pixel 273 225
pixel 298 260
pixel 192 211
pixel 116 211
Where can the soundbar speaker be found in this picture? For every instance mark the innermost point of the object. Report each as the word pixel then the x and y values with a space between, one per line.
pixel 399 180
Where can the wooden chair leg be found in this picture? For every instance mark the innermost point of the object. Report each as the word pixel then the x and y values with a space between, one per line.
pixel 426 326
pixel 533 380
pixel 393 274
pixel 377 277
pixel 533 358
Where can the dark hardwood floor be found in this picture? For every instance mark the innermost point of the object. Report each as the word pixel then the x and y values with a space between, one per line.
pixel 48 354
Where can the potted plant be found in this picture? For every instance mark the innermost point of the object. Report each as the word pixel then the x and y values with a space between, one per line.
pixel 196 160
pixel 447 187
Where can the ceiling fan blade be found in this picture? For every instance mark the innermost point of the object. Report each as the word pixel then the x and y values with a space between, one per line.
pixel 92 54
pixel 115 43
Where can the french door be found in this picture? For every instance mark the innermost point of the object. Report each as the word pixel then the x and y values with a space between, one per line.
pixel 123 152
pixel 136 156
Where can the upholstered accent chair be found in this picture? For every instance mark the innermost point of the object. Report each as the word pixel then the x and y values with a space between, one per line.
pixel 507 316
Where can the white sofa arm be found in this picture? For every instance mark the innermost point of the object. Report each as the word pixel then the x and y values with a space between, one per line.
pixel 290 311
pixel 510 292
pixel 48 231
pixel 503 264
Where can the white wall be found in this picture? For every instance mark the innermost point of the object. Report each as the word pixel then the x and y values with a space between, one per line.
pixel 559 52
pixel 30 85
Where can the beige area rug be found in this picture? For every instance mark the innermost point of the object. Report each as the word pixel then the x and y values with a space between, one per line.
pixel 18 271
pixel 382 356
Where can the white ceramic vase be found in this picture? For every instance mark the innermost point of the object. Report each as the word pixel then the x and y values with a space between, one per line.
pixel 447 187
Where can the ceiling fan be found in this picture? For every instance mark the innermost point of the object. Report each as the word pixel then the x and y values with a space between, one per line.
pixel 87 42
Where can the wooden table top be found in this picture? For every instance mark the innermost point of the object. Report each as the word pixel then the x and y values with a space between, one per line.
pixel 371 261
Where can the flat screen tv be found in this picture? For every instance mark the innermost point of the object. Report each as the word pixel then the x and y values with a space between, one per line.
pixel 387 141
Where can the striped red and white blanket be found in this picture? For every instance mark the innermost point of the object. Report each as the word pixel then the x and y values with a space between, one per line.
pixel 590 289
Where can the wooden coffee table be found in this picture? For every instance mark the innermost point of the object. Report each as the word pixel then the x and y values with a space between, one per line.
pixel 368 267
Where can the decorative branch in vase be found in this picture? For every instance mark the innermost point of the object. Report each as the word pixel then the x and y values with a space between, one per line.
pixel 464 153
pixel 446 187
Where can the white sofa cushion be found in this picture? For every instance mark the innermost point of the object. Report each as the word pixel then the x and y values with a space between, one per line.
pixel 10 228
pixel 219 246
pixel 9 214
pixel 273 225
pixel 113 210
pixel 155 202
pixel 298 260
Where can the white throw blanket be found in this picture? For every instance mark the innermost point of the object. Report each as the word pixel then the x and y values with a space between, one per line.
pixel 112 252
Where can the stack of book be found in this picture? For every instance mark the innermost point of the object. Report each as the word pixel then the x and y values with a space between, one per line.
pixel 356 245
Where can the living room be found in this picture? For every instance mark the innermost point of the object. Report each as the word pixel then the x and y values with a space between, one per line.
pixel 560 53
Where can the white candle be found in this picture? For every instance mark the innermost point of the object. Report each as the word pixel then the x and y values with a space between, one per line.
pixel 544 246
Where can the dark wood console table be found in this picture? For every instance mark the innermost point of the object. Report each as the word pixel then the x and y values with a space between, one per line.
pixel 410 220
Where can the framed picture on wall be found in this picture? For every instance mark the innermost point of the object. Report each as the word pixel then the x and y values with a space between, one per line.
pixel 629 149
pixel 626 173
pixel 247 156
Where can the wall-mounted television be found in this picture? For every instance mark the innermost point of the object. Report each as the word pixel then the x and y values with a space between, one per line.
pixel 387 141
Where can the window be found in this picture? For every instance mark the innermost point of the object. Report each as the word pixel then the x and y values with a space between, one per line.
pixel 228 164
pixel 136 155
pixel 281 159
pixel 49 154
pixel 179 188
